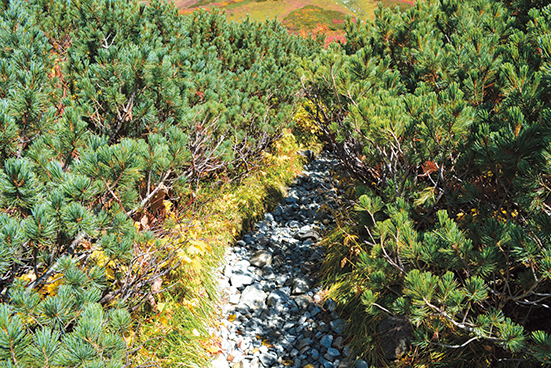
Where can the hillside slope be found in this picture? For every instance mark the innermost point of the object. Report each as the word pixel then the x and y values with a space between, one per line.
pixel 296 15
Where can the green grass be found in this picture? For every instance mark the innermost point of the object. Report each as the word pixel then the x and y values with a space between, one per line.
pixel 309 16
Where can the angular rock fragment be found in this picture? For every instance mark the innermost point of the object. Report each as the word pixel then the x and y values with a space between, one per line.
pixel 254 297
pixel 261 259
pixel 301 285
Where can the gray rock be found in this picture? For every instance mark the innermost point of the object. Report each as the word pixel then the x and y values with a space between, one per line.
pixel 239 280
pixel 268 272
pixel 346 351
pixel 338 342
pixel 346 363
pixel 361 364
pixel 241 267
pixel 307 235
pixel 288 325
pixel 286 290
pixel 395 337
pixel 333 352
pixel 326 341
pixel 293 223
pixel 315 311
pixel 281 279
pixel 277 299
pixel 315 354
pixel 303 343
pixel 301 285
pixel 330 304
pixel 261 259
pixel 227 271
pixel 253 296
pixel 322 327
pixel 263 240
pixel 337 326
pixel 268 359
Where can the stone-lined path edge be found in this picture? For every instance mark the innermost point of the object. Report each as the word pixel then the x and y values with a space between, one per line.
pixel 273 312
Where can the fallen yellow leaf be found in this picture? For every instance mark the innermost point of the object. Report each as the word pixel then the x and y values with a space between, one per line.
pixel 267 343
pixel 191 304
pixel 231 317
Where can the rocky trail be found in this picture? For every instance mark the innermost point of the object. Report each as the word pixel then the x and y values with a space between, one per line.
pixel 274 315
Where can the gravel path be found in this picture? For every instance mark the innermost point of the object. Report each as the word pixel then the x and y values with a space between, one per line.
pixel 274 315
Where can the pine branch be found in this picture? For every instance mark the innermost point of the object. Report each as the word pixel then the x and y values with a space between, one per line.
pixel 40 281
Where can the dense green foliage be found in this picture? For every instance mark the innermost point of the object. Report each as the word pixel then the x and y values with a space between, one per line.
pixel 442 112
pixel 114 113
pixel 110 108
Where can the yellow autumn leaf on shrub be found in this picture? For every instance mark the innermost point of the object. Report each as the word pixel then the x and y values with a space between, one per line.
pixel 196 264
pixel 110 273
pixel 167 205
pixel 193 250
pixel 29 277
pixel 100 257
pixel 201 245
pixel 52 285
pixel 184 257
pixel 130 337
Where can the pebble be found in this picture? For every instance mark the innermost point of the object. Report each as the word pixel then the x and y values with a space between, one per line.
pixel 279 317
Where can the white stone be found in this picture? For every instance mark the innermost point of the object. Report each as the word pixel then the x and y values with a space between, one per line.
pixel 253 296
pixel 220 362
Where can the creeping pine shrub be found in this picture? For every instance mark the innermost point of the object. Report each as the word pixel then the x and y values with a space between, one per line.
pixel 441 113
pixel 113 115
